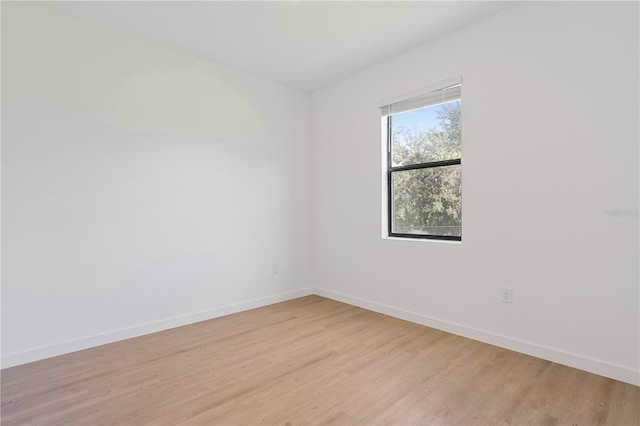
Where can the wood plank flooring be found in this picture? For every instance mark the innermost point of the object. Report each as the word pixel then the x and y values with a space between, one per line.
pixel 309 361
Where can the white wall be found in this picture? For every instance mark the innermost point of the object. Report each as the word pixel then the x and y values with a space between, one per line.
pixel 550 144
pixel 142 188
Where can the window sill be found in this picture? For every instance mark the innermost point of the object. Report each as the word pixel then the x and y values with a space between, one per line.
pixel 424 240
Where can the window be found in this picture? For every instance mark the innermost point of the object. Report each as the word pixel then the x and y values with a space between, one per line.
pixel 424 162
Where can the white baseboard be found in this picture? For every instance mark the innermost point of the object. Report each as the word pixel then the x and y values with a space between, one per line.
pixel 576 361
pixel 142 329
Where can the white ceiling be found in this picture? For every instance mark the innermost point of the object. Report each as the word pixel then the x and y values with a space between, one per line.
pixel 303 44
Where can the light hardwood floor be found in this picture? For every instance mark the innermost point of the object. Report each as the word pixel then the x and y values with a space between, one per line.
pixel 309 361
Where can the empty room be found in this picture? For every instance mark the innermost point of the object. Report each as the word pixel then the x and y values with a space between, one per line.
pixel 320 212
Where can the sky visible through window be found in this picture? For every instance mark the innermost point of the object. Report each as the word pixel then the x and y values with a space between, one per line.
pixel 422 119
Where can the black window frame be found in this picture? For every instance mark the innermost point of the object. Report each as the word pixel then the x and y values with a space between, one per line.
pixel 418 166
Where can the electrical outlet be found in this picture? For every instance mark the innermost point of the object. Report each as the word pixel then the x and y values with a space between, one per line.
pixel 506 294
pixel 274 268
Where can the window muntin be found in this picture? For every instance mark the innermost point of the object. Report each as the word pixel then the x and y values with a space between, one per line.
pixel 424 159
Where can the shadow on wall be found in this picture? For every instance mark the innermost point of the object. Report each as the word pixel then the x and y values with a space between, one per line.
pixel 192 103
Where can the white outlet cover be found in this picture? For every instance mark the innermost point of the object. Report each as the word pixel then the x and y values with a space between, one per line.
pixel 507 295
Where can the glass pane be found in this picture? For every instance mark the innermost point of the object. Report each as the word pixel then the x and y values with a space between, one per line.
pixel 426 134
pixel 427 201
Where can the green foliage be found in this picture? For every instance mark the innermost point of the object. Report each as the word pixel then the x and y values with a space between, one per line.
pixel 428 201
